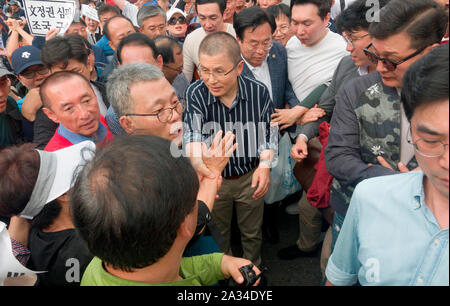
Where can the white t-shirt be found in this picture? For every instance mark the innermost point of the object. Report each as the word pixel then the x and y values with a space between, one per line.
pixel 190 50
pixel 310 67
pixel 130 11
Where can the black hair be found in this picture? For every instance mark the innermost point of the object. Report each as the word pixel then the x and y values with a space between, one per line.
pixel 221 3
pixel 166 45
pixel 47 215
pixel 252 17
pixel 279 9
pixel 324 6
pixel 354 17
pixel 130 200
pixel 136 39
pixel 106 8
pixel 62 49
pixel 424 21
pixel 426 80
pixel 106 26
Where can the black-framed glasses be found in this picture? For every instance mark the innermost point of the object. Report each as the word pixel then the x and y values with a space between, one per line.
pixel 165 115
pixel 29 74
pixel 350 41
pixel 174 20
pixel 216 75
pixel 427 148
pixel 389 64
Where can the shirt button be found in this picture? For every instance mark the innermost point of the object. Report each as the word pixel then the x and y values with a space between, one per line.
pixel 436 242
pixel 420 280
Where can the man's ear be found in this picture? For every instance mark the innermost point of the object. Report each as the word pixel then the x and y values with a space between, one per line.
pixel 127 124
pixel 240 67
pixel 50 114
pixel 159 61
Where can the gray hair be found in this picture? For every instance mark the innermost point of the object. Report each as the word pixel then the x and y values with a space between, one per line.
pixel 149 11
pixel 221 42
pixel 122 79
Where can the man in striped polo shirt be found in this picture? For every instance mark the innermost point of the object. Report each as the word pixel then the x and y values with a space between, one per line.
pixel 225 100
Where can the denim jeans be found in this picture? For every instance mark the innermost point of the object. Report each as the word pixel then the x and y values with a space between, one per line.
pixel 338 221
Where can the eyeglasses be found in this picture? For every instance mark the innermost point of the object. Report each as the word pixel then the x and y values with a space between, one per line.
pixel 350 41
pixel 266 45
pixel 217 75
pixel 29 74
pixel 165 115
pixel 173 20
pixel 389 64
pixel 282 29
pixel 427 148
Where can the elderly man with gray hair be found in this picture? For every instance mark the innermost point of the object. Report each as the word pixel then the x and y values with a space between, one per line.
pixel 140 113
pixel 151 19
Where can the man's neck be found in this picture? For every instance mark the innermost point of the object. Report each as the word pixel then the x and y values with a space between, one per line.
pixel 324 34
pixel 166 269
pixel 229 97
pixel 437 203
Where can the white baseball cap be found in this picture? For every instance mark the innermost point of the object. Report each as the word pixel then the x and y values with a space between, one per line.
pixel 172 11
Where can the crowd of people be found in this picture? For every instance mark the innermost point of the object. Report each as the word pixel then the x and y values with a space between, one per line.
pixel 138 144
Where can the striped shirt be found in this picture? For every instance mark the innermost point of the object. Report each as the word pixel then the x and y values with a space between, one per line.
pixel 248 118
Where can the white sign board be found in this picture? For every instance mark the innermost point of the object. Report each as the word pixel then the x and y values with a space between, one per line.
pixel 89 11
pixel 43 16
pixel 9 265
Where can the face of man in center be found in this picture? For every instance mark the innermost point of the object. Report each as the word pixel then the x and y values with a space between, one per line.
pixel 163 96
pixel 219 73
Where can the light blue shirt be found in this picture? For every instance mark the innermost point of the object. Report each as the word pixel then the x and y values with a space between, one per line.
pixel 390 236
pixel 77 138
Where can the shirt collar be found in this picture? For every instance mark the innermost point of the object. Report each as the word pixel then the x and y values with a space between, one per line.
pixel 363 70
pixel 77 138
pixel 259 67
pixel 418 191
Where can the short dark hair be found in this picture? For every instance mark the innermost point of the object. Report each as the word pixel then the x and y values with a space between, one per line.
pixel 136 39
pixel 47 215
pixel 19 168
pixel 426 80
pixel 53 80
pixel 324 6
pixel 61 49
pixel 166 46
pixel 279 9
pixel 131 199
pixel 106 26
pixel 423 20
pixel 221 3
pixel 252 17
pixel 354 18
pixel 106 8
pixel 221 42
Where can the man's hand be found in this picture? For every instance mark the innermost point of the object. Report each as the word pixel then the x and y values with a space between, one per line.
pixel 51 34
pixel 287 117
pixel 311 115
pixel 261 180
pixel 299 150
pixel 401 166
pixel 210 162
pixel 31 104
pixel 230 268
pixel 216 157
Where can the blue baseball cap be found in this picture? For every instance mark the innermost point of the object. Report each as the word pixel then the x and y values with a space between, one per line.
pixel 153 2
pixel 25 57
